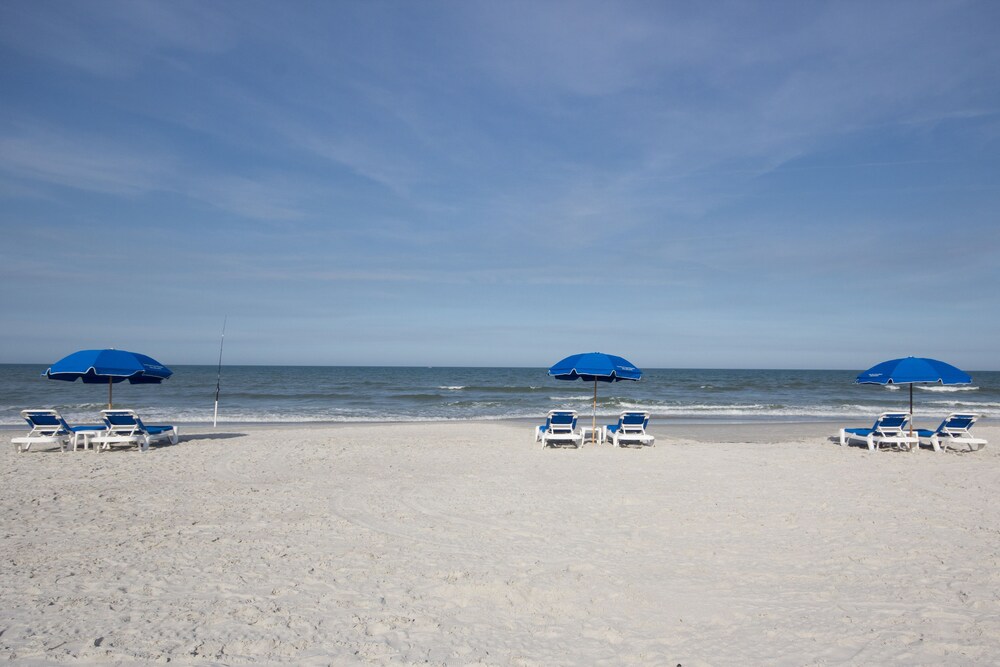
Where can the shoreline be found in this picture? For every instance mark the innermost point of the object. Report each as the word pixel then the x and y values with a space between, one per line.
pixel 656 422
pixel 806 432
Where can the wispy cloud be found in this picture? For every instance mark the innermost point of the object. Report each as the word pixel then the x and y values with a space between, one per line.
pixel 40 155
pixel 113 38
pixel 74 160
pixel 273 198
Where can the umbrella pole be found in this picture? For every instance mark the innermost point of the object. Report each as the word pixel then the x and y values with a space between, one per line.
pixel 109 392
pixel 911 409
pixel 593 421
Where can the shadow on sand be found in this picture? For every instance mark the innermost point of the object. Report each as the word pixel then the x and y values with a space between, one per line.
pixel 210 436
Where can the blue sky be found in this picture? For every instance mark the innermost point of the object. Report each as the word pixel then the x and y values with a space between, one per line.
pixel 775 184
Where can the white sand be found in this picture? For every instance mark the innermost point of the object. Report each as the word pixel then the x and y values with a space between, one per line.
pixel 463 544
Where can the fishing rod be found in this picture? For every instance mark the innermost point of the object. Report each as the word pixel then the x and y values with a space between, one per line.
pixel 218 380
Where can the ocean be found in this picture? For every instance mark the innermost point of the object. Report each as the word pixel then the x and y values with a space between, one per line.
pixel 275 394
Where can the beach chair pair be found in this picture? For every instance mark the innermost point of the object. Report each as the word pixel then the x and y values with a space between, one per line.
pixel 560 429
pixel 120 427
pixel 889 430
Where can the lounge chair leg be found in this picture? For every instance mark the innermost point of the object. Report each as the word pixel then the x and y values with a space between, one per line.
pixel 843 437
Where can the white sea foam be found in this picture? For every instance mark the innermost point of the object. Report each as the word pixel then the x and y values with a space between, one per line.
pixel 972 405
pixel 454 388
pixel 755 410
pixel 946 389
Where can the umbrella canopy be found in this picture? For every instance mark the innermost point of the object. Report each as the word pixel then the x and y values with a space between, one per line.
pixel 913 370
pixel 109 366
pixel 595 367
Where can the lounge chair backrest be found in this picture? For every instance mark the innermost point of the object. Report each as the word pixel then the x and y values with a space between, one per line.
pixel 123 421
pixel 635 418
pixel 563 420
pixel 45 421
pixel 957 423
pixel 890 422
pixel 559 415
pixel 633 421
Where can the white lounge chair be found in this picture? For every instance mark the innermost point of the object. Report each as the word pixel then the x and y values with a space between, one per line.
pixel 49 428
pixel 559 429
pixel 954 430
pixel 540 430
pixel 888 431
pixel 630 430
pixel 125 428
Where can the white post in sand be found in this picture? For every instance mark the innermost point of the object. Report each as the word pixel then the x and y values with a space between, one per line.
pixel 218 380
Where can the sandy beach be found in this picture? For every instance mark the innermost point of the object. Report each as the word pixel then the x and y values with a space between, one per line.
pixel 468 544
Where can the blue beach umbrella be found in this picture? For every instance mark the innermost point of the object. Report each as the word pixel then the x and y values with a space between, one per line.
pixel 109 366
pixel 911 371
pixel 595 367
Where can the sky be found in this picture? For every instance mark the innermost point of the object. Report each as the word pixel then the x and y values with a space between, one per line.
pixel 699 185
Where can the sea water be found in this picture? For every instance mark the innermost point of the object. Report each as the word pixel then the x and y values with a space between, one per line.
pixel 268 394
